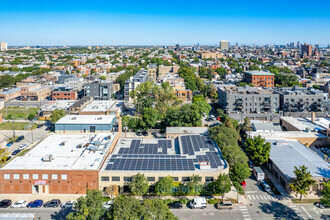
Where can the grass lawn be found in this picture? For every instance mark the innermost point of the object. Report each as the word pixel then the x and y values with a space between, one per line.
pixel 305 200
pixel 17 126
pixel 18 112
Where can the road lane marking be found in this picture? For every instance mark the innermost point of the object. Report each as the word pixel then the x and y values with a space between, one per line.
pixel 252 196
pixel 251 192
pixel 303 208
pixel 249 197
pixel 257 197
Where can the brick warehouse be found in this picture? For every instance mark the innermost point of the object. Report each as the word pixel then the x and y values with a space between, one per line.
pixel 70 166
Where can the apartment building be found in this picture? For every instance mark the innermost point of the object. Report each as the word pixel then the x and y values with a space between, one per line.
pixel 133 82
pixel 299 99
pixel 75 83
pixel 152 72
pixel 259 78
pixel 99 90
pixel 241 102
pixel 210 55
pixel 3 46
pixel 64 93
pixel 224 45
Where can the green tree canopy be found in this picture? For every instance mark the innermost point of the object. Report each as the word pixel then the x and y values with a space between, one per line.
pixel 239 172
pixel 326 193
pixel 139 185
pixel 164 186
pixel 221 186
pixel 302 182
pixel 56 115
pixel 194 186
pixel 258 149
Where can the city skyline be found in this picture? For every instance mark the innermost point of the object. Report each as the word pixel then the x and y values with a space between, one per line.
pixel 185 23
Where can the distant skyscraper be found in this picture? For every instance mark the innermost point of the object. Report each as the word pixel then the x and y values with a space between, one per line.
pixel 298 44
pixel 177 47
pixel 306 49
pixel 3 46
pixel 224 45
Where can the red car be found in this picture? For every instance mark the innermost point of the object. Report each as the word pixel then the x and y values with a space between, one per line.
pixel 243 184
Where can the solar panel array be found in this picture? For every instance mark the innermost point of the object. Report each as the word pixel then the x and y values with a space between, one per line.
pixel 154 157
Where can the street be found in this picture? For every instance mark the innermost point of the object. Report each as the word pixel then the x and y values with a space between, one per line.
pixel 17 103
pixel 41 213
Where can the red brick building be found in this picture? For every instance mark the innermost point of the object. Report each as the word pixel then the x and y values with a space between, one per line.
pixel 259 78
pixel 64 93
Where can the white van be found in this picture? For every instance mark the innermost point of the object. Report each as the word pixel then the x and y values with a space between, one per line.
pixel 199 203
pixel 258 173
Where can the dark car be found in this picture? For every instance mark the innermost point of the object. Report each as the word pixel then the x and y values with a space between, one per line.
pixel 9 143
pixel 175 205
pixel 16 152
pixel 138 133
pixel 5 203
pixel 53 203
pixel 39 126
pixel 321 205
pixel 145 133
pixel 20 138
pixel 35 204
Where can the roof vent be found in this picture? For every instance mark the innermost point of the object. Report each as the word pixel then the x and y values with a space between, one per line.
pixel 99 118
pixel 73 118
pixel 62 143
pixel 204 165
pixel 48 158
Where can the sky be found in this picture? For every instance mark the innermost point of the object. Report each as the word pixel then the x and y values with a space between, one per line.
pixel 126 22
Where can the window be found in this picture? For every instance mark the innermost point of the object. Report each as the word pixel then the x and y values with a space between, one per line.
pixel 45 176
pixel 35 176
pixel 6 176
pixel 16 176
pixel 54 176
pixel 115 178
pixel 151 178
pixel 208 179
pixel 175 178
pixel 128 179
pixel 186 178
pixel 105 178
pixel 25 176
pixel 159 178
pixel 64 177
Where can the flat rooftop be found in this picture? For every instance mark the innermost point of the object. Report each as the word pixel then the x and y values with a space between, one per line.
pixel 69 152
pixel 287 153
pixel 185 153
pixel 86 119
pixel 62 104
pixel 186 130
pixel 102 106
pixel 259 73
pixel 304 123
pixel 286 134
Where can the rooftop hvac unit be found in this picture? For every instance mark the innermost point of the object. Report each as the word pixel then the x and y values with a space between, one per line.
pixel 48 158
pixel 97 143
pixel 99 118
pixel 62 143
pixel 73 118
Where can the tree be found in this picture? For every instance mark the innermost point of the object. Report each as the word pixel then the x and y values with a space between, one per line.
pixel 125 207
pixel 139 185
pixel 222 72
pixel 112 190
pixel 254 67
pixel 56 115
pixel 302 182
pixel 258 149
pixel 239 172
pixel 164 186
pixel 223 135
pixel 31 117
pixel 150 117
pixel 326 193
pixel 194 186
pixel 3 156
pixel 157 209
pixel 222 185
pixel 103 77
pixel 88 207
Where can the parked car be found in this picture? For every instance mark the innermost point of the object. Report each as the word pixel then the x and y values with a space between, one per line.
pixel 199 202
pixel 225 205
pixel 9 143
pixel 39 126
pixel 19 204
pixel 321 205
pixel 144 133
pixel 175 205
pixel 53 203
pixel 108 204
pixel 68 205
pixel 138 133
pixel 8 158
pixel 15 152
pixel 5 203
pixel 20 138
pixel 35 204
pixel 22 146
pixel 265 185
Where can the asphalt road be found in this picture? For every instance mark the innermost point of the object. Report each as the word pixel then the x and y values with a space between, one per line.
pixel 17 103
pixel 41 213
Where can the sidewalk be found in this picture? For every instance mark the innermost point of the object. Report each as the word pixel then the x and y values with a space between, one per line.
pixel 44 197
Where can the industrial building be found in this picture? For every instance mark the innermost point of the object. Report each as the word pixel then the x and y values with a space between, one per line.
pixel 180 158
pixel 60 164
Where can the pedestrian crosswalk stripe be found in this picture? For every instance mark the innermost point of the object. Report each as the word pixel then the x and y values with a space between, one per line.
pixel 257 197
pixel 245 213
pixel 241 207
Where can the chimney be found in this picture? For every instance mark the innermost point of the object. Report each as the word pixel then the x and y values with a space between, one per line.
pixel 313 117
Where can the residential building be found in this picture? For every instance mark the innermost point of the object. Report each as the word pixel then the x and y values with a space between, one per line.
pixel 99 90
pixel 181 158
pixel 224 45
pixel 60 164
pixel 210 55
pixel 75 83
pixel 259 78
pixel 306 49
pixel 64 93
pixel 85 124
pixel 3 46
pixel 63 77
pixel 252 102
pixel 152 72
pixel 184 95
pixel 133 82
pixel 299 99
pixel 80 104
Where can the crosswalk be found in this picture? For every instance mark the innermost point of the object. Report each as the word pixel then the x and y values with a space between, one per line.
pixel 245 212
pixel 261 197
pixel 297 211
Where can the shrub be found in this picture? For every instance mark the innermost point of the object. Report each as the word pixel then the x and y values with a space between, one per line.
pixel 184 201
pixel 212 201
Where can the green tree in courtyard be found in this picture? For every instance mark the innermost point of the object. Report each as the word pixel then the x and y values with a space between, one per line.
pixel 302 182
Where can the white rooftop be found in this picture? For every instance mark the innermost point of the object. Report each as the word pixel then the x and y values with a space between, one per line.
pixel 287 153
pixel 303 123
pixel 62 104
pixel 285 134
pixel 66 153
pixel 99 106
pixel 86 119
pixel 186 130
